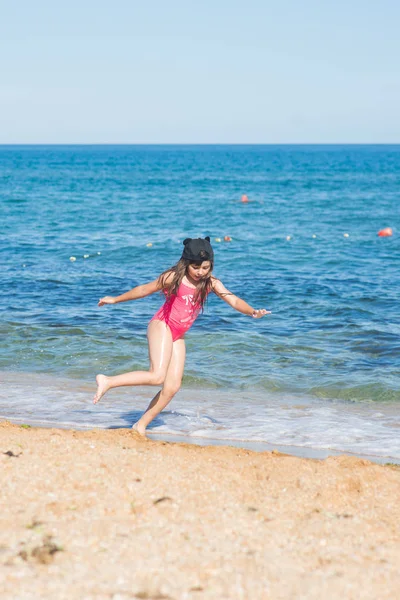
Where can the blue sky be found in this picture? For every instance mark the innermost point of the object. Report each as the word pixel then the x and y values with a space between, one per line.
pixel 213 71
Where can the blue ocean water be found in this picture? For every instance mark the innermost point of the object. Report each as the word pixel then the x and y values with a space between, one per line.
pixel 323 371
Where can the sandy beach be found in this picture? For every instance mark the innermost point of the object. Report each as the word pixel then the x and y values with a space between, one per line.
pixel 105 515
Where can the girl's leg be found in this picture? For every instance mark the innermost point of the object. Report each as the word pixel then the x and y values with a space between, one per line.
pixel 171 386
pixel 160 350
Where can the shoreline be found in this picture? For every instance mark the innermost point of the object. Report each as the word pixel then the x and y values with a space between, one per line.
pixel 297 425
pixel 104 514
pixel 254 446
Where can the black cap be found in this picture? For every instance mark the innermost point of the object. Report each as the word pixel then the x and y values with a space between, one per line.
pixel 197 250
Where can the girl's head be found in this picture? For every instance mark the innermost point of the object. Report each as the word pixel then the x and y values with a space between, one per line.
pixel 198 270
pixel 198 250
pixel 197 263
pixel 198 258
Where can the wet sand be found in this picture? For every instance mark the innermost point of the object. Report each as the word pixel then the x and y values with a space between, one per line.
pixel 105 515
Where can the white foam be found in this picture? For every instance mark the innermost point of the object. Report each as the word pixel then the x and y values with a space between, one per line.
pixel 365 429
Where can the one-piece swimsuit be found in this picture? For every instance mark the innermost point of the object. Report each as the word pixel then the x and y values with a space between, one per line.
pixel 179 311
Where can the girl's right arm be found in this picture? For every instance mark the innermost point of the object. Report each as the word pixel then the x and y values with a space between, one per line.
pixel 140 291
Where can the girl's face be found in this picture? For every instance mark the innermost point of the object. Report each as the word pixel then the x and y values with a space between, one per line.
pixel 197 271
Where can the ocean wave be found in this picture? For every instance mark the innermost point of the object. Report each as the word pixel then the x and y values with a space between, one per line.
pixel 372 392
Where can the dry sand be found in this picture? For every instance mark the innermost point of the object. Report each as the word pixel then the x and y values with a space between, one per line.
pixel 105 515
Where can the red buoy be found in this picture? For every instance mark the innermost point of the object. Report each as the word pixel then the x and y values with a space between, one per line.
pixel 387 232
pixel 227 238
pixel 245 198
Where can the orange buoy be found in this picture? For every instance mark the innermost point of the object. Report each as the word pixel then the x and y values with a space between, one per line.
pixel 245 198
pixel 227 238
pixel 387 232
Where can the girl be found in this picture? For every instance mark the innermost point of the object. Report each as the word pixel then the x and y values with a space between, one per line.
pixel 186 286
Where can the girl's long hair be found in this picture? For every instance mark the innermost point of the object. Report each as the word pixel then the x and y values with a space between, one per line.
pixel 179 272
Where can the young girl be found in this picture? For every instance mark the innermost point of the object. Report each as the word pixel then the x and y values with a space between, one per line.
pixel 186 286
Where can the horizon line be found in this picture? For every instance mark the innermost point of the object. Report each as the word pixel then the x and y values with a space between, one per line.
pixel 199 144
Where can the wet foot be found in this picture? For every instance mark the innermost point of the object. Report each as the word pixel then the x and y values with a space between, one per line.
pixel 138 429
pixel 102 387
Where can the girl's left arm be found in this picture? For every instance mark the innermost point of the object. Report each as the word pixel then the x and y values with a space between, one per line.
pixel 236 302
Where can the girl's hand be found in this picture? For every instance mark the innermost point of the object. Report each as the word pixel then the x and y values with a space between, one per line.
pixel 260 312
pixel 106 300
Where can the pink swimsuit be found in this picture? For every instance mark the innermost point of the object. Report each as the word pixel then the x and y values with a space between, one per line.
pixel 179 312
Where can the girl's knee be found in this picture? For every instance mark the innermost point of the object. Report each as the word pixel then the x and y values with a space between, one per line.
pixel 171 390
pixel 157 377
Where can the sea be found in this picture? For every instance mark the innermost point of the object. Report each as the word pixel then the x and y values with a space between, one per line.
pixel 318 376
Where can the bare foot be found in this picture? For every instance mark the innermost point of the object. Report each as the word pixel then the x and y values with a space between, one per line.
pixel 102 387
pixel 138 429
